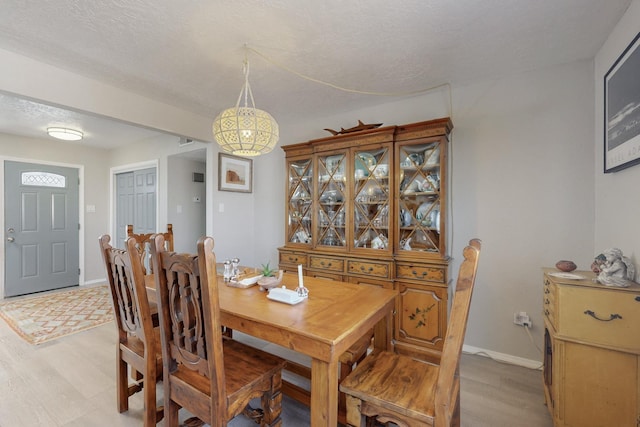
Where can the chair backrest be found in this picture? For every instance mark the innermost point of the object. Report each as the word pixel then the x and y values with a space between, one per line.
pixel 448 383
pixel 126 283
pixel 189 310
pixel 143 242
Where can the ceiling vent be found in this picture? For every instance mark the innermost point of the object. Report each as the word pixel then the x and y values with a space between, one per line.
pixel 184 142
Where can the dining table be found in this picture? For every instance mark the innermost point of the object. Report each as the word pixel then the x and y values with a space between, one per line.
pixel 333 317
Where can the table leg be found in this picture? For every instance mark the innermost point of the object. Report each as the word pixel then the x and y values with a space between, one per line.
pixel 324 393
pixel 382 334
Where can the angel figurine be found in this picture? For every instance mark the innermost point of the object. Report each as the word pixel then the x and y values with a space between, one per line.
pixel 616 269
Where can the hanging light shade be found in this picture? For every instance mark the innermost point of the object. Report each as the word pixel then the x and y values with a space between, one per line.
pixel 245 131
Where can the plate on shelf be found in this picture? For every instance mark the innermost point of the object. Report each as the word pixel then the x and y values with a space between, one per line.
pixel 367 160
pixel 571 276
pixel 422 210
pixel 413 160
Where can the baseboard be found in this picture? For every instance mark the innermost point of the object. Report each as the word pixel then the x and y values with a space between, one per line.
pixel 502 357
pixel 94 282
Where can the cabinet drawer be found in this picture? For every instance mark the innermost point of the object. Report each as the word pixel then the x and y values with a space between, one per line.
pixel 369 268
pixel 368 281
pixel 601 316
pixel 326 263
pixel 325 275
pixel 421 272
pixel 293 258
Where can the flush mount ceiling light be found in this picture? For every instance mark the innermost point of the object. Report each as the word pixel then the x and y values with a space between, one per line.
pixel 65 134
pixel 245 131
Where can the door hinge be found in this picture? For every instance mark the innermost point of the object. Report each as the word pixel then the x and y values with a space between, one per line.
pixel 78 226
pixel 78 272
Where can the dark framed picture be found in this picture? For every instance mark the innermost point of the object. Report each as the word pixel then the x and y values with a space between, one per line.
pixel 235 173
pixel 622 110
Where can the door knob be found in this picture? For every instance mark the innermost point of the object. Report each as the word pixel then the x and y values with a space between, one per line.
pixel 11 239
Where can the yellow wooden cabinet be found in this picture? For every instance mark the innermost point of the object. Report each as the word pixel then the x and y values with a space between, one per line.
pixel 592 348
pixel 369 207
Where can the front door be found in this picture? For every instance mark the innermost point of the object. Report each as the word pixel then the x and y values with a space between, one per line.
pixel 41 228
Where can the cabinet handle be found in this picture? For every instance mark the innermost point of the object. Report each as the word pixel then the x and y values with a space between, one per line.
pixel 362 268
pixel 638 298
pixel 595 316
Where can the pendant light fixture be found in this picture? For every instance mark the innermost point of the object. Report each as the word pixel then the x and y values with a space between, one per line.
pixel 246 131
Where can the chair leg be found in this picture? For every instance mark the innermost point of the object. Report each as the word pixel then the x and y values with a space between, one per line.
pixel 170 412
pixel 149 392
pixel 272 403
pixel 122 386
pixel 354 417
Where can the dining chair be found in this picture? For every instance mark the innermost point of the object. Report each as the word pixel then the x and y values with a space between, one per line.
pixel 390 387
pixel 143 242
pixel 212 376
pixel 138 344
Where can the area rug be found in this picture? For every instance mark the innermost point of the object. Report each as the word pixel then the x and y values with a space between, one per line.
pixel 57 314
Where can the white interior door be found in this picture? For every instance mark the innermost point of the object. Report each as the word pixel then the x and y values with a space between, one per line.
pixel 135 203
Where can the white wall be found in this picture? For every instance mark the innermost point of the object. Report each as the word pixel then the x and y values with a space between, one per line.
pixel 187 216
pixel 616 194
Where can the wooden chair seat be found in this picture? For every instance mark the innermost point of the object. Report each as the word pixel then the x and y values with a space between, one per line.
pixel 387 380
pixel 238 358
pixel 390 387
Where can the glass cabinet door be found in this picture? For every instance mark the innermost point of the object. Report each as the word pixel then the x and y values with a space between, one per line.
pixel 371 198
pixel 419 217
pixel 332 215
pixel 300 192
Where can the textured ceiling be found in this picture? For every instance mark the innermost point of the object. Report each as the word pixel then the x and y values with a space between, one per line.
pixel 190 53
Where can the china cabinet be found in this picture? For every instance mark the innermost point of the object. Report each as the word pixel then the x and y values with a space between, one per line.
pixel 592 351
pixel 369 207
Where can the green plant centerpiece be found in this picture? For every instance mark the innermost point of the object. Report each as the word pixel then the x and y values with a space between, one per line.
pixel 267 271
pixel 269 279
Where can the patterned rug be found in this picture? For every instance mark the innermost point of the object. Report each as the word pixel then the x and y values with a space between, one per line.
pixel 46 317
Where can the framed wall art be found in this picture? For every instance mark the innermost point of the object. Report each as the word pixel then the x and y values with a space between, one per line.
pixel 622 110
pixel 235 173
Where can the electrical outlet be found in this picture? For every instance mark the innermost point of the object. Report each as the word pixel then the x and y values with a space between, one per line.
pixel 521 318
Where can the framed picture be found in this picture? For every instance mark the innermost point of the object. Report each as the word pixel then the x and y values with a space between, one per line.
pixel 235 173
pixel 622 110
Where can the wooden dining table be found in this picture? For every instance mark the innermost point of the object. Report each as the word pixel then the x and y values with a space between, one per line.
pixel 333 317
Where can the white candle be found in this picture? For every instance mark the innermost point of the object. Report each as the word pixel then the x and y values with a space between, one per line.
pixel 300 283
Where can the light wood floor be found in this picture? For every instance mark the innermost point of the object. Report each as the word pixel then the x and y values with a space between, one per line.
pixel 70 382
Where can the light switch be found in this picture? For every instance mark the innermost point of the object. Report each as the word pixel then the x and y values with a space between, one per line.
pixel 220 207
pixel 179 208
pixel 91 208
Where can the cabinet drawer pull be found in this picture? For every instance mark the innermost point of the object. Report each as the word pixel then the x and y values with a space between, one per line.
pixel 638 298
pixel 328 265
pixel 595 316
pixel 362 268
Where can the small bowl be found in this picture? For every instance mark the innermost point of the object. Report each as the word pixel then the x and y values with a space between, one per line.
pixel 267 283
pixel 567 266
